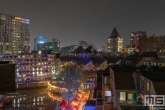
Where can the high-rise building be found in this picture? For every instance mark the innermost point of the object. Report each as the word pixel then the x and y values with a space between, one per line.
pixel 39 42
pixel 55 45
pixel 14 34
pixel 114 42
pixel 134 38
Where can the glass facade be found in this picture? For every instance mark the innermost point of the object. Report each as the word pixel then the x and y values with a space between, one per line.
pixel 39 42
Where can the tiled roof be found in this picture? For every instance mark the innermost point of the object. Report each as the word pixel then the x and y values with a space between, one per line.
pixel 124 81
pixel 123 78
pixel 159 88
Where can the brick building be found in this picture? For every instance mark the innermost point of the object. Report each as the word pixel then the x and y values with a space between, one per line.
pixel 151 44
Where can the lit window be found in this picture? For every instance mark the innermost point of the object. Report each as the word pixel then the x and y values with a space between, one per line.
pixel 130 96
pixel 122 95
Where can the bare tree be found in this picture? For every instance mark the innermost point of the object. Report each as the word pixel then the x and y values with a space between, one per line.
pixel 71 78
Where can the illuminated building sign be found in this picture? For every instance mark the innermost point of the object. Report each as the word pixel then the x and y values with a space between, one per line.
pixel 18 18
pixel 22 20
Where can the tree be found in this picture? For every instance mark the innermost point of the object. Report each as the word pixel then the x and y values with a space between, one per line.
pixel 71 78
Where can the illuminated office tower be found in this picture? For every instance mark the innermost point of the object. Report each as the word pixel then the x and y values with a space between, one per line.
pixel 14 34
pixel 39 42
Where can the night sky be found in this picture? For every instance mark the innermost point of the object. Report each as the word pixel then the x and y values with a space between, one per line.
pixel 89 20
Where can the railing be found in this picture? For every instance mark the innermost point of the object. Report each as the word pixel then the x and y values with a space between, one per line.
pixel 118 106
pixel 130 102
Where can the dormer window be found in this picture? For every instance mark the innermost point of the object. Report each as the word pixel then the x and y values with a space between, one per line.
pixel 148 86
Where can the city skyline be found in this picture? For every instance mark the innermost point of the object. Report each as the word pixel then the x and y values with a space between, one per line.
pixel 91 21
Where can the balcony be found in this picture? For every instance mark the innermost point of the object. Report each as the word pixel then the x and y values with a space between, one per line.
pixel 131 102
pixel 107 100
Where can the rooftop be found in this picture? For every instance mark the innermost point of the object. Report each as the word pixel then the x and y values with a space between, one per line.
pixel 124 81
pixel 114 33
pixel 123 77
pixel 156 76
pixel 119 68
pixel 159 88
pixel 90 49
